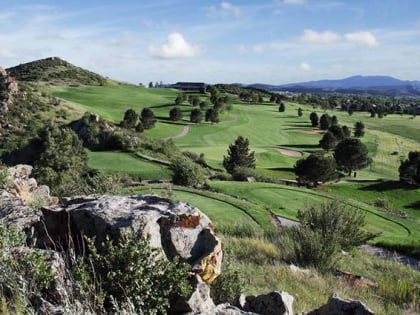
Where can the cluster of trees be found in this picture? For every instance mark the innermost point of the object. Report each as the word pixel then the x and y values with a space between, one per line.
pixel 377 106
pixel 349 156
pixel 410 169
pixel 131 119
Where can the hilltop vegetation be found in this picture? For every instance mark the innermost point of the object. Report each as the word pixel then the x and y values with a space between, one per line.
pixel 55 71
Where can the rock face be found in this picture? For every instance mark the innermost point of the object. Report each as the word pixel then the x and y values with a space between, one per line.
pixel 338 306
pixel 274 303
pixel 8 88
pixel 177 228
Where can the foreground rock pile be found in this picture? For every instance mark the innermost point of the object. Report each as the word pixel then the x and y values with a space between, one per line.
pixel 177 229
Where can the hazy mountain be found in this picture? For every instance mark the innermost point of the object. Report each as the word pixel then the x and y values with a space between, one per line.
pixel 385 85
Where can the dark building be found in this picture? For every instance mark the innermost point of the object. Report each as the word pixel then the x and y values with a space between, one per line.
pixel 190 86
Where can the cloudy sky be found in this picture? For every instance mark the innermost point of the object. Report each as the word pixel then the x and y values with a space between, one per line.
pixel 248 41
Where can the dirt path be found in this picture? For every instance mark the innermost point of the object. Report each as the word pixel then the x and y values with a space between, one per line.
pixel 183 133
pixel 289 152
pixel 391 255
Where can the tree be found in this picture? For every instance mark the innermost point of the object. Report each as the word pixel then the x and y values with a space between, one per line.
pixel 212 115
pixel 300 112
pixel 147 118
pixel 239 156
pixel 334 121
pixel 179 99
pixel 359 129
pixel 351 155
pixel 195 116
pixel 337 131
pixel 314 119
pixel 282 107
pixel 150 84
pixel 315 168
pixel 139 127
pixel 130 119
pixel 328 141
pixel 175 114
pixel 325 122
pixel 346 131
pixel 410 169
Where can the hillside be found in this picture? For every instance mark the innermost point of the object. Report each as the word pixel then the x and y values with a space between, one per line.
pixel 55 71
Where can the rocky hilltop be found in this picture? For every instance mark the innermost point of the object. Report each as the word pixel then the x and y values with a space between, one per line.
pixel 8 89
pixel 175 229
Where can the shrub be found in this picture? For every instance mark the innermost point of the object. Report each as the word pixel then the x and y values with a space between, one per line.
pixel 323 231
pixel 186 172
pixel 128 270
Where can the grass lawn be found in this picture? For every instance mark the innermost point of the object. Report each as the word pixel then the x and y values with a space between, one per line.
pixel 123 162
pixel 222 209
pixel 287 200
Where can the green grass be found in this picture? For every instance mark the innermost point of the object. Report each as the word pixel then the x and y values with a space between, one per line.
pixel 287 200
pixel 222 209
pixel 127 163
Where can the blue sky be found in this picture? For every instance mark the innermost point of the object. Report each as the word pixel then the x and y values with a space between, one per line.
pixel 248 41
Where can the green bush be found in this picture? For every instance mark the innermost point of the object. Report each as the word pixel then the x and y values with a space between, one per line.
pixel 128 270
pixel 186 172
pixel 25 274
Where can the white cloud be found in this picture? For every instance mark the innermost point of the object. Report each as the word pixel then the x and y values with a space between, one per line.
pixel 365 38
pixel 326 37
pixel 305 66
pixel 294 1
pixel 224 10
pixel 175 47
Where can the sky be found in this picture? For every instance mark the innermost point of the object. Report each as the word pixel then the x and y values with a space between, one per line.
pixel 247 41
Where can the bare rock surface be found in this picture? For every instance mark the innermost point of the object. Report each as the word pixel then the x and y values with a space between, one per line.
pixel 339 306
pixel 273 303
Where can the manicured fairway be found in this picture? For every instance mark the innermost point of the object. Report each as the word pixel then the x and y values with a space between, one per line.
pixel 123 162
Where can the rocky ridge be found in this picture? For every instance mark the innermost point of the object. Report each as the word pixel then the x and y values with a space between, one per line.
pixel 8 89
pixel 177 229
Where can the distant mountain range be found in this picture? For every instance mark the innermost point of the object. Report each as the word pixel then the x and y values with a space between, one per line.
pixel 376 85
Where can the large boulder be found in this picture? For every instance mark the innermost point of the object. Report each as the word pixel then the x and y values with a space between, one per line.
pixel 339 306
pixel 273 303
pixel 178 229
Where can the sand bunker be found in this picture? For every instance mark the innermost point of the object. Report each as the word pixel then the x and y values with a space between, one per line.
pixel 289 152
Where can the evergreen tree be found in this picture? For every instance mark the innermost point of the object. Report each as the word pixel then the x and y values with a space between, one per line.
pixel 130 119
pixel 239 156
pixel 359 129
pixel 212 115
pixel 315 168
pixel 282 107
pixel 195 116
pixel 334 121
pixel 325 122
pixel 300 112
pixel 346 131
pixel 175 114
pixel 139 127
pixel 328 141
pixel 410 169
pixel 314 119
pixel 351 155
pixel 147 118
pixel 337 131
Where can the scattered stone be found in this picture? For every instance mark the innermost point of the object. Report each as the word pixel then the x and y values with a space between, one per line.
pixel 355 280
pixel 339 306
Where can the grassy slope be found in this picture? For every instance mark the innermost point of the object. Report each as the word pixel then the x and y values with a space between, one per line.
pixel 123 162
pixel 266 129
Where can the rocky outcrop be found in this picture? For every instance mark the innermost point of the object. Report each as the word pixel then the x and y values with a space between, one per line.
pixel 339 306
pixel 178 229
pixel 8 89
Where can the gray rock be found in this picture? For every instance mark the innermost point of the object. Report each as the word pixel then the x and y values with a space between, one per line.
pixel 178 229
pixel 339 306
pixel 274 303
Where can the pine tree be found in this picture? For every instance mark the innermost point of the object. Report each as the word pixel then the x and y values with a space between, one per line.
pixel 239 156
